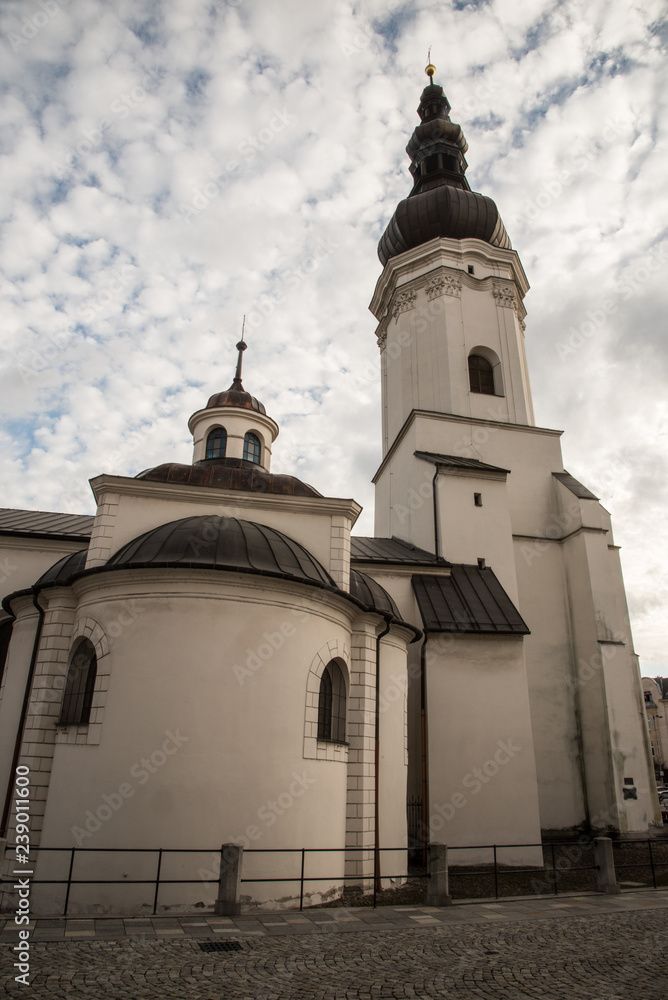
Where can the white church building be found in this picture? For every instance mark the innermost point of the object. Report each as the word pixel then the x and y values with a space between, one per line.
pixel 214 657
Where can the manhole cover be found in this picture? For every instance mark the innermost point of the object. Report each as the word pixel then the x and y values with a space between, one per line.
pixel 220 946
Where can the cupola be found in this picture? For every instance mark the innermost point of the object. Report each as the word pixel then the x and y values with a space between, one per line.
pixel 441 202
pixel 233 428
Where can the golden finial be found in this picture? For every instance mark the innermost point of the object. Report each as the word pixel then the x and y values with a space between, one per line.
pixel 430 70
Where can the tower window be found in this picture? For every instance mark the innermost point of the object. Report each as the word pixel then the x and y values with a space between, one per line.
pixel 481 374
pixel 471 269
pixel 332 704
pixel 216 443
pixel 481 563
pixel 79 685
pixel 477 499
pixel 252 448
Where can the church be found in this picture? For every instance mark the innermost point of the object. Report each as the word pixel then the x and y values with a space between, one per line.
pixel 215 657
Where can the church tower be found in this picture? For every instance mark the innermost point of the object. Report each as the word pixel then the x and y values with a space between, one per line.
pixel 516 578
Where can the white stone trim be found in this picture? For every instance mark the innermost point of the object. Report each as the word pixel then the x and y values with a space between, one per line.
pixel 315 749
pixel 89 628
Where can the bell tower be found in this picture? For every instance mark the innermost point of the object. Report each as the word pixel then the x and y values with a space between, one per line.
pixel 449 302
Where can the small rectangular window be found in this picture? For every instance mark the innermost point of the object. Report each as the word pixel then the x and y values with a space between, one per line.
pixel 471 269
pixel 481 563
pixel 629 781
pixel 477 499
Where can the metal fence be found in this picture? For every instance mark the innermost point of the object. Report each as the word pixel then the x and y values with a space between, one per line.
pixel 566 867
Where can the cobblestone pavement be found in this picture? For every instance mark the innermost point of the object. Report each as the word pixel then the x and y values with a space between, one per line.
pixel 558 950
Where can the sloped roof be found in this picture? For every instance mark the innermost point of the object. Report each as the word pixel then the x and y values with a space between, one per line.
pixel 572 484
pixel 45 524
pixel 470 599
pixel 457 462
pixel 367 591
pixel 390 550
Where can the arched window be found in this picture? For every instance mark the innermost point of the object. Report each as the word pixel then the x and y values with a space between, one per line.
pixel 79 685
pixel 481 374
pixel 216 443
pixel 332 704
pixel 252 448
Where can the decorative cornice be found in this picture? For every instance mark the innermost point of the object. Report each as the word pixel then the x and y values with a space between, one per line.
pixel 505 296
pixel 443 283
pixel 216 498
pixel 404 301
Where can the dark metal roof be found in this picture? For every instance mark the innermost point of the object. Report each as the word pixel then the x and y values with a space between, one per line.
pixel 390 550
pixel 45 524
pixel 222 543
pixel 456 462
pixel 371 594
pixel 229 474
pixel 64 569
pixel 572 484
pixel 235 397
pixel 469 600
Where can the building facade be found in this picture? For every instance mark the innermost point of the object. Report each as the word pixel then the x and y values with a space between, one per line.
pixel 214 657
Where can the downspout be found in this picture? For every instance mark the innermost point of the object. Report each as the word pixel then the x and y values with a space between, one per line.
pixel 423 745
pixel 437 540
pixel 377 876
pixel 24 714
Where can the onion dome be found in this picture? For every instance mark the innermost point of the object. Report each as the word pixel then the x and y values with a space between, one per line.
pixel 441 202
pixel 365 590
pixel 222 543
pixel 63 570
pixel 236 395
pixel 229 474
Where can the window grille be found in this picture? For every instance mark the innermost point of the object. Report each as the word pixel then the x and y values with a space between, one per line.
pixel 216 443
pixel 79 685
pixel 481 374
pixel 332 704
pixel 252 448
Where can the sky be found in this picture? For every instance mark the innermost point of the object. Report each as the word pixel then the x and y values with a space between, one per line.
pixel 168 167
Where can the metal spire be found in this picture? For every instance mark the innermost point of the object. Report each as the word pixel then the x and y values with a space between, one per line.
pixel 241 347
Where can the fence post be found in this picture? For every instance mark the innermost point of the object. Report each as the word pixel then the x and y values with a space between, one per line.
pixel 606 880
pixel 437 884
pixel 229 885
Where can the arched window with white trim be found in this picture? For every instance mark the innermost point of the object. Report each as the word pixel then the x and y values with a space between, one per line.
pixel 332 704
pixel 79 686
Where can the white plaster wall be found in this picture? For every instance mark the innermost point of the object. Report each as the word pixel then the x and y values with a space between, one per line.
pixel 173 672
pixel 24 560
pixel 482 771
pixel 393 764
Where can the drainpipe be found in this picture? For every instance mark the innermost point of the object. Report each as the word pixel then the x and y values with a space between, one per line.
pixel 423 742
pixel 377 877
pixel 24 713
pixel 437 540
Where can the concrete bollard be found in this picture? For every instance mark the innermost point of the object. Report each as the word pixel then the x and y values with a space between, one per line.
pixel 229 884
pixel 437 884
pixel 606 879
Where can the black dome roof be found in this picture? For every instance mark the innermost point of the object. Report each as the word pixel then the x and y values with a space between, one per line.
pixel 441 202
pixel 62 570
pixel 228 543
pixel 364 589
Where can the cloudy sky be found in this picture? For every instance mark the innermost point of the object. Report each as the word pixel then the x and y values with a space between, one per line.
pixel 169 166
